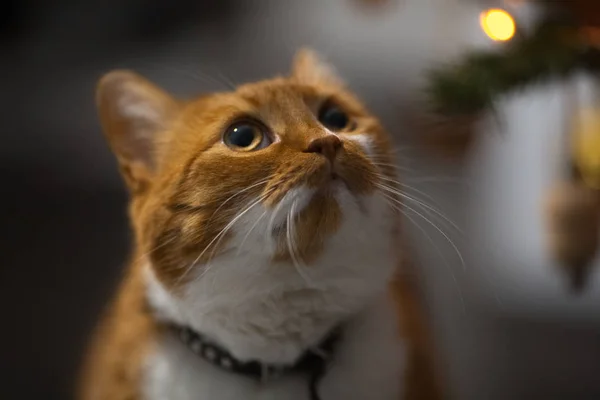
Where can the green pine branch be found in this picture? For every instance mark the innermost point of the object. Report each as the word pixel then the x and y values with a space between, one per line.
pixel 554 50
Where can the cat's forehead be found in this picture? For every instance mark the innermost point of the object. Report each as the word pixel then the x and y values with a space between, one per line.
pixel 275 99
pixel 268 94
pixel 280 91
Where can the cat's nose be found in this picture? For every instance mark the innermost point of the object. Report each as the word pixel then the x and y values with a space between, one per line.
pixel 327 145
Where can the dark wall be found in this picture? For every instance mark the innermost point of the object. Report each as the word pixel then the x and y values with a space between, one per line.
pixel 62 210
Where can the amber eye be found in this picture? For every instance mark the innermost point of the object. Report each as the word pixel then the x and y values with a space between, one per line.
pixel 333 117
pixel 246 136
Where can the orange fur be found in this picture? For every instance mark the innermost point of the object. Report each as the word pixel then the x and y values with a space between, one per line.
pixel 114 365
pixel 180 174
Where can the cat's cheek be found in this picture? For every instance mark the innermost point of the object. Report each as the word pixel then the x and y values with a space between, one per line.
pixel 160 299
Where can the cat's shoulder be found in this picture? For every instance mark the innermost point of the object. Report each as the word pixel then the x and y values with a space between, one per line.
pixel 113 368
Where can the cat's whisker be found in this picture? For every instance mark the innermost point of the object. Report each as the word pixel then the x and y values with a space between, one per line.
pixel 404 185
pixel 439 179
pixel 239 193
pixel 220 235
pixel 290 232
pixel 272 223
pixel 438 251
pixel 417 179
pixel 193 71
pixel 424 205
pixel 206 78
pixel 383 157
pixel 391 185
pixel 397 169
pixel 189 208
pixel 433 215
pixel 146 254
pixel 230 83
pixel 418 191
pixel 450 241
pixel 392 166
pixel 259 200
pixel 384 162
pixel 397 192
pixel 241 246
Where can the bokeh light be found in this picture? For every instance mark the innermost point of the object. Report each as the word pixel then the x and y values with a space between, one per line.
pixel 498 24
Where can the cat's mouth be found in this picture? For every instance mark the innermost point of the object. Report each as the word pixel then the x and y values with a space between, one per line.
pixel 295 204
pixel 332 184
pixel 329 187
pixel 337 179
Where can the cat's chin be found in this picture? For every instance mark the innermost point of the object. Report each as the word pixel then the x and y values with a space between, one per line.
pixel 336 185
pixel 298 200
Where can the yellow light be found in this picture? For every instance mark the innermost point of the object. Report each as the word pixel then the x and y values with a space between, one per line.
pixel 498 25
pixel 586 146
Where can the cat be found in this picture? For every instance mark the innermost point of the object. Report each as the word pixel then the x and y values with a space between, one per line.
pixel 266 245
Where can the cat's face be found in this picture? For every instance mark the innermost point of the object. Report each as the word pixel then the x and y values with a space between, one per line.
pixel 279 158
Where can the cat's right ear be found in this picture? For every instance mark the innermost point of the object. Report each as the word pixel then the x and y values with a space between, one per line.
pixel 133 113
pixel 309 68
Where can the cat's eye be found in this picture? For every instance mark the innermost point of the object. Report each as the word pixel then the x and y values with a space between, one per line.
pixel 333 117
pixel 246 136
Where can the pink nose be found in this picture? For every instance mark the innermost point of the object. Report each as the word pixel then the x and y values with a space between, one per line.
pixel 327 145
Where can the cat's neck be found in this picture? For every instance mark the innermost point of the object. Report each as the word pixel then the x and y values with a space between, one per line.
pixel 259 309
pixel 277 328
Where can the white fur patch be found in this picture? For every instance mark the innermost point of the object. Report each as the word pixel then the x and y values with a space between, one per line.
pixel 364 141
pixel 272 313
pixel 160 299
pixel 298 197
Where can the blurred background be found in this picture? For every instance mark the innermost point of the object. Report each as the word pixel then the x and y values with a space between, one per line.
pixel 505 323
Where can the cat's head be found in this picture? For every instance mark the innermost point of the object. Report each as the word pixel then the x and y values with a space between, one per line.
pixel 266 174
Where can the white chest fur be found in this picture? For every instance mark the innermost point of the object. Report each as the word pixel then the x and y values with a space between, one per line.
pixel 368 364
pixel 273 313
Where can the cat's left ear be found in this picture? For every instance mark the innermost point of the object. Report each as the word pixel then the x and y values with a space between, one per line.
pixel 134 114
pixel 309 68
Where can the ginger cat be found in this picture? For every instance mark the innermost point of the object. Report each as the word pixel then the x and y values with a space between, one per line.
pixel 266 247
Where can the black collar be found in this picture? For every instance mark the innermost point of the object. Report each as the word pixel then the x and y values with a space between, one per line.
pixel 313 362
